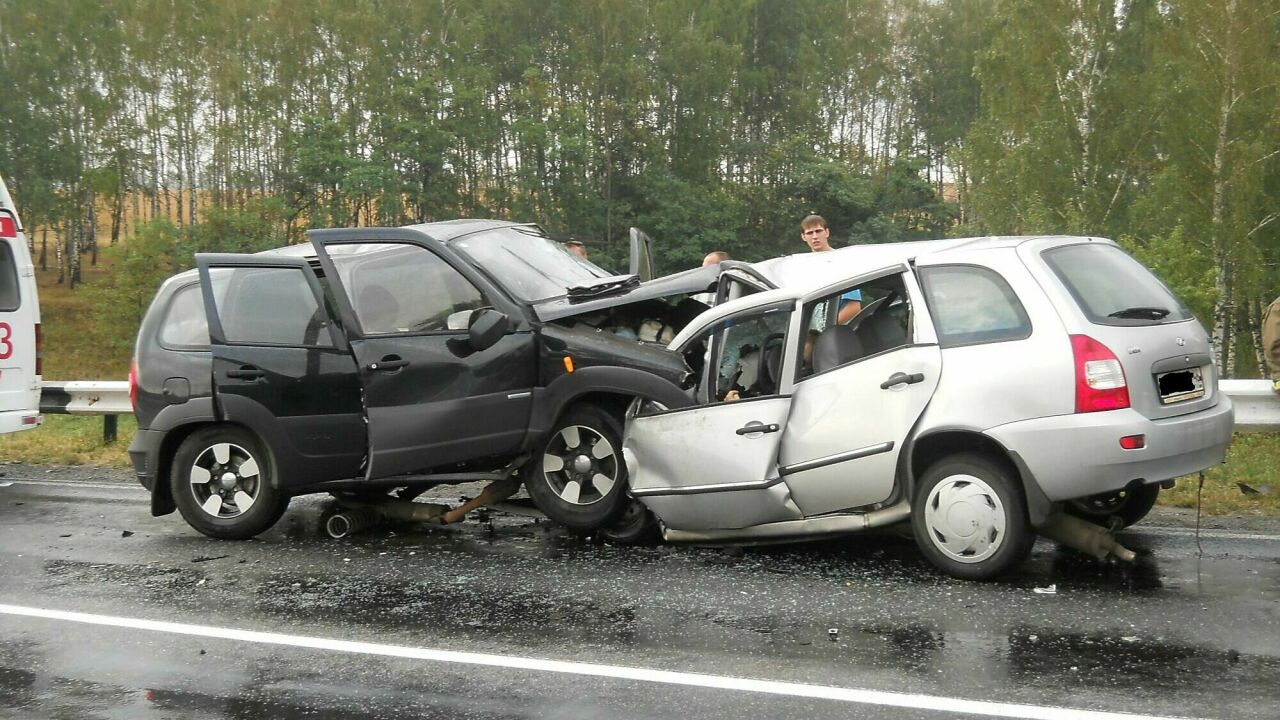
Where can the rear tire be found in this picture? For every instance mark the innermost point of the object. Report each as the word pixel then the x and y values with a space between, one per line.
pixel 1128 506
pixel 221 481
pixel 577 476
pixel 970 519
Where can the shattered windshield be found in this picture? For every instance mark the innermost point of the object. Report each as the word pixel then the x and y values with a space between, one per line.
pixel 529 264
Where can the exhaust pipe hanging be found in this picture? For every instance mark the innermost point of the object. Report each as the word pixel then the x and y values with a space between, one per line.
pixel 1084 536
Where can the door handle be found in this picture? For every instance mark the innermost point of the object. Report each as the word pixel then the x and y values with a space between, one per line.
pixel 901 378
pixel 247 372
pixel 755 426
pixel 387 364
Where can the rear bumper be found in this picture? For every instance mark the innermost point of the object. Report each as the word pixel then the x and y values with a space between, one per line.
pixel 16 420
pixel 1073 456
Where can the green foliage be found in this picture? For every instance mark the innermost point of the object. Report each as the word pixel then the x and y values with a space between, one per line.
pixel 711 124
pixel 118 303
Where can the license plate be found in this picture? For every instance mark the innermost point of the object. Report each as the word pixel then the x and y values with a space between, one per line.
pixel 1180 385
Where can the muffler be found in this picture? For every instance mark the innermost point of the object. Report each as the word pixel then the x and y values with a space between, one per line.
pixel 361 517
pixel 348 522
pixel 1084 536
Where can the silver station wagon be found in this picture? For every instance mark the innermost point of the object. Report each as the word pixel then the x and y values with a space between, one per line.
pixel 989 390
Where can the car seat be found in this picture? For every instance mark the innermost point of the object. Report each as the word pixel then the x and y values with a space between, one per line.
pixel 835 346
pixel 881 332
pixel 771 364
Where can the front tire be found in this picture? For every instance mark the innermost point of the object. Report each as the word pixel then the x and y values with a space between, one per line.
pixel 578 477
pixel 221 480
pixel 969 518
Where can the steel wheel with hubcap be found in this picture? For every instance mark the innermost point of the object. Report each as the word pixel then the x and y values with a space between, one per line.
pixel 578 479
pixel 969 517
pixel 221 483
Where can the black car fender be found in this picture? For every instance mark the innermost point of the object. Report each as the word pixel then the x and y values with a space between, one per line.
pixel 153 447
pixel 551 401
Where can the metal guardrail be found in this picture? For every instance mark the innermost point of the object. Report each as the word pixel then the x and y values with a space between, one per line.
pixel 1257 406
pixel 109 398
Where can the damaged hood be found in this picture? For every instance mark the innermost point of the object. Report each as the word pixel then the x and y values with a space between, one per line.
pixel 697 280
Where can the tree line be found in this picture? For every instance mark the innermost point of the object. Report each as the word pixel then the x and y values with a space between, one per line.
pixel 710 124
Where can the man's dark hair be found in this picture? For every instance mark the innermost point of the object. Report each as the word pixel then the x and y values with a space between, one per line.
pixel 813 221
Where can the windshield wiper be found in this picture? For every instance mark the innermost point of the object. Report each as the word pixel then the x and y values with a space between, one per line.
pixel 1140 313
pixel 614 285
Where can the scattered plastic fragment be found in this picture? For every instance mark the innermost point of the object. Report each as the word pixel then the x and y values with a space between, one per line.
pixel 833 634
pixel 1050 590
pixel 126 533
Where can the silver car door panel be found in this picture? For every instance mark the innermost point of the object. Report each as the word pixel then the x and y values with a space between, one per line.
pixel 694 466
pixel 848 408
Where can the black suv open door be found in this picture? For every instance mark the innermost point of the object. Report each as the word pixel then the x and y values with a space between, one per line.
pixel 434 397
pixel 281 367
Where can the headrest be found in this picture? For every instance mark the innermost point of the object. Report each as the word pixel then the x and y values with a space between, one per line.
pixel 772 369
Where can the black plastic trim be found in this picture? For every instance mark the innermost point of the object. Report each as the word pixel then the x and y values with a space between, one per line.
pixel 821 462
pixel 1039 506
pixel 708 489
pixel 559 393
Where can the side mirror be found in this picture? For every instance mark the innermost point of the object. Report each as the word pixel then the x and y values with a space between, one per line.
pixel 486 327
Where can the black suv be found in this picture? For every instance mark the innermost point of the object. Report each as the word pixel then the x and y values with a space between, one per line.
pixel 379 358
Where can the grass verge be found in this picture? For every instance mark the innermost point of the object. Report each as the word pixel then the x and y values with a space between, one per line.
pixel 70 440
pixel 1252 459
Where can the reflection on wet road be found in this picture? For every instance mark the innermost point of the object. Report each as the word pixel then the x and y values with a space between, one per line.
pixel 1178 633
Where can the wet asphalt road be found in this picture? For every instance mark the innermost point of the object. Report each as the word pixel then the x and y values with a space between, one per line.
pixel 1183 632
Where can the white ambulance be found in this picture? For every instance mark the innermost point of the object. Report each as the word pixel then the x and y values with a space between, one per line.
pixel 20 371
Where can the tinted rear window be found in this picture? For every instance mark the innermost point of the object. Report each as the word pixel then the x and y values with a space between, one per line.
pixel 268 306
pixel 1112 288
pixel 10 299
pixel 185 325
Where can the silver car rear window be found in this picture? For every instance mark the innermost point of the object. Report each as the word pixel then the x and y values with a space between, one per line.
pixel 1112 288
pixel 10 298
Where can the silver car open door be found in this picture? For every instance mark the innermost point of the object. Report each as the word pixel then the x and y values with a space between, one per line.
pixel 714 465
pixel 852 414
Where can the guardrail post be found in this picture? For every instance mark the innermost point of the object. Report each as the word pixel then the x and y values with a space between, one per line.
pixel 109 429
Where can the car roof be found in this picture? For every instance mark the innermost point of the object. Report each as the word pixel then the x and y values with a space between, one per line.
pixel 813 270
pixel 444 231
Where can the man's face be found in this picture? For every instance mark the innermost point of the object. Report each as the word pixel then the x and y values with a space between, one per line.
pixel 817 237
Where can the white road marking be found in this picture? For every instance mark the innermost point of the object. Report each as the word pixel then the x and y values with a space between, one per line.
pixel 1211 534
pixel 130 487
pixel 881 698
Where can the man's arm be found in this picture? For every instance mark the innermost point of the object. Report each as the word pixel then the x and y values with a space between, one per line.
pixel 848 310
